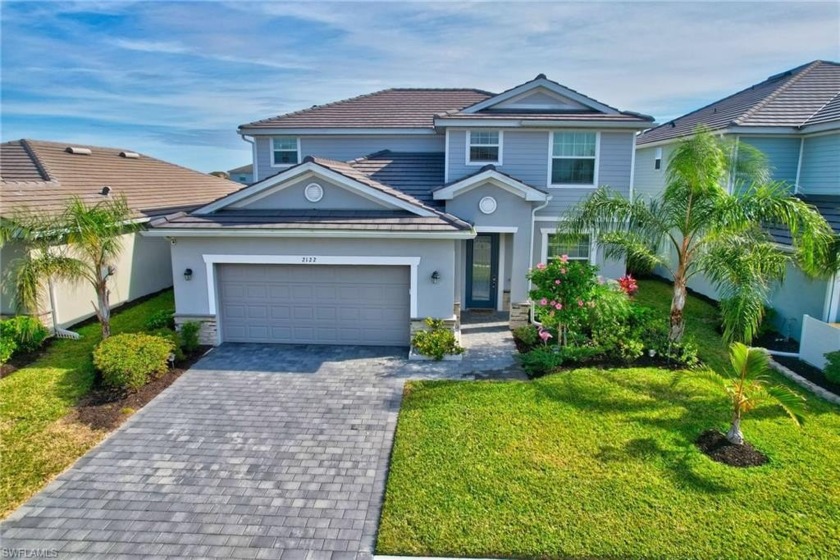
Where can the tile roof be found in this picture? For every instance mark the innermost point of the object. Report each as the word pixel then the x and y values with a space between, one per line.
pixel 414 173
pixel 42 176
pixel 318 220
pixel 482 169
pixel 827 205
pixel 792 99
pixel 390 108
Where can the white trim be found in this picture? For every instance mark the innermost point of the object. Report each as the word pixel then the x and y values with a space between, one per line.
pixel 549 218
pixel 311 167
pixel 560 102
pixel 541 83
pixel 632 170
pixel 279 131
pixel 487 205
pixel 500 280
pixel 313 192
pixel 832 299
pixel 496 229
pixel 271 152
pixel 796 186
pixel 295 233
pixel 480 122
pixel 821 129
pixel 446 157
pixel 495 178
pixel 551 158
pixel 306 260
pixel 545 232
pixel 468 145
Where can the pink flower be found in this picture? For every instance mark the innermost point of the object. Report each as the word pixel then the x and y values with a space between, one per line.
pixel 545 335
pixel 557 282
pixel 580 303
pixel 564 259
pixel 551 303
pixel 543 301
pixel 541 266
pixel 562 271
pixel 559 306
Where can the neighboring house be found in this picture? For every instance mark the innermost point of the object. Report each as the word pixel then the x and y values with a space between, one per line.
pixel 42 176
pixel 372 213
pixel 794 118
pixel 243 174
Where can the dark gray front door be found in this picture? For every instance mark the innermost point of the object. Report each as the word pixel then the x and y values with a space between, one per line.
pixel 483 271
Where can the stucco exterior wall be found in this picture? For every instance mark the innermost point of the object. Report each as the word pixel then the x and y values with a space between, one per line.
pixel 292 197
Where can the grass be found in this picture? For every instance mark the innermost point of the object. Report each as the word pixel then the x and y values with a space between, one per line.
pixel 601 464
pixel 36 441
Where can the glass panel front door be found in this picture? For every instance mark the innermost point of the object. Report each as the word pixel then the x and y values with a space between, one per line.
pixel 482 271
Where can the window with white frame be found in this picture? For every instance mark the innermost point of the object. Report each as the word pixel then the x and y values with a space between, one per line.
pixel 484 146
pixel 657 159
pixel 576 247
pixel 573 158
pixel 284 150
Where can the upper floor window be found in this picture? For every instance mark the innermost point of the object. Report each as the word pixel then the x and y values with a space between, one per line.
pixel 484 147
pixel 657 159
pixel 284 150
pixel 577 248
pixel 574 158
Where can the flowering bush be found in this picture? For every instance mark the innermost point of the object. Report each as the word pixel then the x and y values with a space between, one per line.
pixel 563 295
pixel 628 285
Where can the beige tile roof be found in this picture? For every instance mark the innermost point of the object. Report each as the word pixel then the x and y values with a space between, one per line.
pixel 42 176
pixel 799 97
pixel 390 108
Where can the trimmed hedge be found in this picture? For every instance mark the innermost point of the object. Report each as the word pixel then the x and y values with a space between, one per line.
pixel 129 361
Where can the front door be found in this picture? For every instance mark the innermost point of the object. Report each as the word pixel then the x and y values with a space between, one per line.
pixel 483 271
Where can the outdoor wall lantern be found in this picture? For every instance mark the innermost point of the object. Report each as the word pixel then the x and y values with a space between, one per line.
pixel 188 274
pixel 435 277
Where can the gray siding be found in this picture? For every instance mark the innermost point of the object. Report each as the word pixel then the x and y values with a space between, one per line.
pixel 343 148
pixel 292 197
pixel 606 268
pixel 821 165
pixel 649 182
pixel 434 300
pixel 782 155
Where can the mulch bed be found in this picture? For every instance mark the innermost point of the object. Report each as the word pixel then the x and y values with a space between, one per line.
pixel 775 341
pixel 19 361
pixel 809 372
pixel 105 409
pixel 714 444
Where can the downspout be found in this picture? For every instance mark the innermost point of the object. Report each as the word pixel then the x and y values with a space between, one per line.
pixel 799 165
pixel 531 248
pixel 251 141
pixel 53 312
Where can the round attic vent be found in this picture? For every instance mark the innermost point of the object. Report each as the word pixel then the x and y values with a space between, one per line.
pixel 487 205
pixel 313 192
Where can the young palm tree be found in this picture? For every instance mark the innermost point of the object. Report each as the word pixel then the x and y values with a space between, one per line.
pixel 698 227
pixel 748 387
pixel 79 244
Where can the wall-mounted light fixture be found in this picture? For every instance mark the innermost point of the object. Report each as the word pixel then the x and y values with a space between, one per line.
pixel 435 277
pixel 188 274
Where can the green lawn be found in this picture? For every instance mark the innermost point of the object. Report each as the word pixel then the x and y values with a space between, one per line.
pixel 601 464
pixel 36 441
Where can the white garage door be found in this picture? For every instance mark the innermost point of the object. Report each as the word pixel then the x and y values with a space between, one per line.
pixel 317 304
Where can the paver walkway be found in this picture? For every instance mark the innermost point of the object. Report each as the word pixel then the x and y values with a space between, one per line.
pixel 259 451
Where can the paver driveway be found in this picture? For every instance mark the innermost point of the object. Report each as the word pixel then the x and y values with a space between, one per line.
pixel 259 451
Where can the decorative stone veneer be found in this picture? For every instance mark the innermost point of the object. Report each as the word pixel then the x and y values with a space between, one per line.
pixel 420 325
pixel 506 300
pixel 520 314
pixel 207 333
pixel 457 311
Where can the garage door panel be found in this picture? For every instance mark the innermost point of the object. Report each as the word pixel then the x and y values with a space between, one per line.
pixel 361 305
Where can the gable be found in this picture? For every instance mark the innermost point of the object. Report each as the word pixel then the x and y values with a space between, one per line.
pixel 292 195
pixel 540 99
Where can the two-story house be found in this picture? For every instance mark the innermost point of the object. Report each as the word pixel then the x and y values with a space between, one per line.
pixel 369 214
pixel 794 119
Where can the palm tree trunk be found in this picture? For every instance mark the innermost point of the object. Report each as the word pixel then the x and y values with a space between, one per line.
pixel 103 309
pixel 677 304
pixel 734 435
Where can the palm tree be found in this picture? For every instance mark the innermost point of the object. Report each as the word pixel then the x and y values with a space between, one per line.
pixel 79 244
pixel 748 386
pixel 696 226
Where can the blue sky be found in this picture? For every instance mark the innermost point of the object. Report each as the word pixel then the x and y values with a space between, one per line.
pixel 174 79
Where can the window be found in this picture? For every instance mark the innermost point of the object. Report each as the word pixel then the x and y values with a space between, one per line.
pixel 285 150
pixel 657 159
pixel 577 248
pixel 573 158
pixel 484 147
pixel 243 178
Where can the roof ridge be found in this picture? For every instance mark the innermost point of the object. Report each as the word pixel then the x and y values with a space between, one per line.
pixel 823 106
pixel 39 165
pixel 794 79
pixel 331 103
pixel 367 156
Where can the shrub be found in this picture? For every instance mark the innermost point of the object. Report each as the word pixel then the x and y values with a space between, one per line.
pixel 832 368
pixel 437 341
pixel 563 295
pixel 188 334
pixel 175 339
pixel 27 333
pixel 541 360
pixel 7 348
pixel 682 353
pixel 161 319
pixel 579 354
pixel 527 335
pixel 129 361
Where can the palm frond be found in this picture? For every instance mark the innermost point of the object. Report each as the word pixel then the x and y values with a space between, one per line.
pixel 791 402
